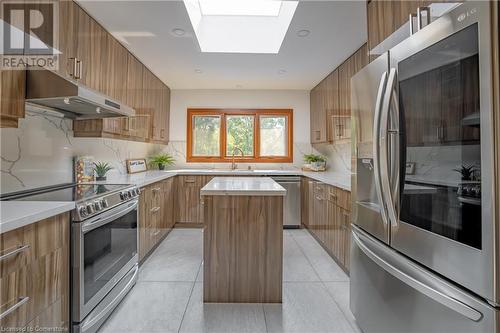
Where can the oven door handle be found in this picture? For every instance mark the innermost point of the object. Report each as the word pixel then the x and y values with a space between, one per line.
pixel 109 216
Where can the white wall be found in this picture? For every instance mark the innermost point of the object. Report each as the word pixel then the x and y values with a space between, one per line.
pixel 181 100
pixel 298 100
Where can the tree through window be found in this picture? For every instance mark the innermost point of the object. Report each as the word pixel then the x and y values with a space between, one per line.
pixel 262 135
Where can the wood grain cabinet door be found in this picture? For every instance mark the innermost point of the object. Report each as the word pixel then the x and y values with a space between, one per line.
pixel 68 31
pixel 36 280
pixel 116 62
pixel 304 201
pixel 12 96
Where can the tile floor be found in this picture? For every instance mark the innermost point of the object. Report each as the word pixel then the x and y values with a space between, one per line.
pixel 168 295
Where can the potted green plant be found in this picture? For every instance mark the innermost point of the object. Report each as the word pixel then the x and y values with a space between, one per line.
pixel 101 169
pixel 466 171
pixel 315 162
pixel 161 160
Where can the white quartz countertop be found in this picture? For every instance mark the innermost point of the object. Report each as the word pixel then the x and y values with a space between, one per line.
pixel 151 176
pixel 251 186
pixel 17 214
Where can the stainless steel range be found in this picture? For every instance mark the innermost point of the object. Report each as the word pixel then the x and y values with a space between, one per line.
pixel 104 246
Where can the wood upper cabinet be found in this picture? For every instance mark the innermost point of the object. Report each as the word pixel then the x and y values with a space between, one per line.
pixel 318 113
pixel 116 67
pixel 385 17
pixel 37 278
pixel 157 105
pixel 189 208
pixel 330 101
pixel 12 96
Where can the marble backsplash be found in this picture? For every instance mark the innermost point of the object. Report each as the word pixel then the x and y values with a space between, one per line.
pixel 40 153
pixel 437 164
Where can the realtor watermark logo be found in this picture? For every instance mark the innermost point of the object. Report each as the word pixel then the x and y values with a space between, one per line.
pixel 29 34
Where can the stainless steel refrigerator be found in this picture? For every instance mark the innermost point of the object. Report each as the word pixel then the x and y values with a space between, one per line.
pixel 425 245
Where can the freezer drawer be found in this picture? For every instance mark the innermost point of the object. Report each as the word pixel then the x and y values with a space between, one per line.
pixel 389 293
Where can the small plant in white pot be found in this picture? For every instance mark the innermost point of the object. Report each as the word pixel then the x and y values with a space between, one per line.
pixel 315 162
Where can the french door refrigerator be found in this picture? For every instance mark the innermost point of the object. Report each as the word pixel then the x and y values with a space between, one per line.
pixel 424 254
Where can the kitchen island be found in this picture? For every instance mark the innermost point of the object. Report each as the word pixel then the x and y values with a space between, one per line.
pixel 243 240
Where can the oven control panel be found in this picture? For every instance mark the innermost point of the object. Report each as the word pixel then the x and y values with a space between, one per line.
pixel 94 206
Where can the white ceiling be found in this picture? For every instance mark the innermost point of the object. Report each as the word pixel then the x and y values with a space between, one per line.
pixel 338 28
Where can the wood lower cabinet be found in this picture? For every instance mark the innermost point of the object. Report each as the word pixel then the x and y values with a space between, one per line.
pixel 156 209
pixel 189 208
pixel 305 195
pixel 37 278
pixel 330 220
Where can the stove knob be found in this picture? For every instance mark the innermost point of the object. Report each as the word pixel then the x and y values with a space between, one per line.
pixel 131 193
pixel 104 203
pixel 97 206
pixel 137 191
pixel 90 209
pixel 123 195
pixel 83 211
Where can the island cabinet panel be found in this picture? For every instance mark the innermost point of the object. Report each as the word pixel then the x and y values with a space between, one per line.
pixel 189 209
pixel 36 279
pixel 243 249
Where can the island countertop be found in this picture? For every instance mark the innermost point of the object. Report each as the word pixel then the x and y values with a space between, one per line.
pixel 250 186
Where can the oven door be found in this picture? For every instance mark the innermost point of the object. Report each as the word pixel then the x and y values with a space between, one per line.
pixel 104 250
pixel 440 96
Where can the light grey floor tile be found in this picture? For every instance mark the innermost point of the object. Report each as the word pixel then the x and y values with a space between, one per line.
pixel 199 277
pixel 151 307
pixel 340 294
pixel 306 307
pixel 220 318
pixel 178 258
pixel 320 260
pixel 296 267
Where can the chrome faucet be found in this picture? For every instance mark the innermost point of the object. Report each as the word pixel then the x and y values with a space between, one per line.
pixel 233 165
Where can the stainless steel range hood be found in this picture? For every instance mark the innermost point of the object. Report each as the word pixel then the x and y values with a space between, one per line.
pixel 74 100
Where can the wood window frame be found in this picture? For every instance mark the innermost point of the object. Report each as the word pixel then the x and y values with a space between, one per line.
pixel 256 138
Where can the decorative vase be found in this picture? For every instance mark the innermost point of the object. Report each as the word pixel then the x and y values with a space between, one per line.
pixel 161 166
pixel 100 178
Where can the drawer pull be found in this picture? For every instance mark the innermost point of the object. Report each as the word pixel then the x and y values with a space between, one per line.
pixel 189 181
pixel 14 252
pixel 153 234
pixel 156 189
pixel 21 302
pixel 155 209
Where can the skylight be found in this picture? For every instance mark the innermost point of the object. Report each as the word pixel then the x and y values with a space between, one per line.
pixel 240 7
pixel 240 26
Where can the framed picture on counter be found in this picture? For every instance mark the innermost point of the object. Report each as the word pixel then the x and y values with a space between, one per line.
pixel 137 165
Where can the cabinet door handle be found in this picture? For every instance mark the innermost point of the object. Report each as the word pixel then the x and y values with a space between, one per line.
pixel 155 209
pixel 78 69
pixel 189 181
pixel 420 10
pixel 14 252
pixel 162 134
pixel 153 234
pixel 21 300
pixel 156 189
pixel 319 198
pixel 412 28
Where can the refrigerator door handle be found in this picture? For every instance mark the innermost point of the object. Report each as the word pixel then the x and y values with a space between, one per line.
pixel 376 147
pixel 387 192
pixel 416 282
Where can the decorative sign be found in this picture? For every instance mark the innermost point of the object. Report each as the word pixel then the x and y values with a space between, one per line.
pixel 138 165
